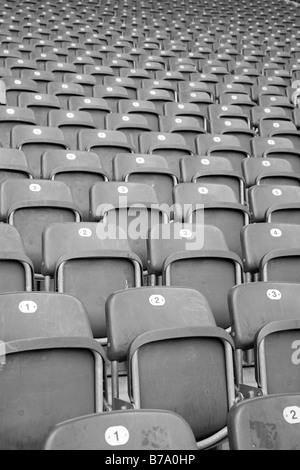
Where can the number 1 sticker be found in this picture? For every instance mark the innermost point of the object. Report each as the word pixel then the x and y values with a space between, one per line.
pixel 27 306
pixel 292 414
pixel 117 436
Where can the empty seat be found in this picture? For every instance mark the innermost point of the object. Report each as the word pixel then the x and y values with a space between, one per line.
pixel 105 143
pixel 196 169
pixel 276 147
pixel 70 123
pixel 198 356
pixel 269 203
pixel 79 170
pixel 9 118
pixel 33 141
pixel 152 170
pixel 167 431
pixel 219 206
pixel 250 423
pixel 90 261
pixel 13 165
pixel 132 125
pixel 268 171
pixel 186 126
pixel 46 334
pixel 111 94
pixel 15 86
pixel 145 108
pixel 131 206
pixel 40 104
pixel 186 110
pixel 64 91
pixel 96 107
pixel 31 206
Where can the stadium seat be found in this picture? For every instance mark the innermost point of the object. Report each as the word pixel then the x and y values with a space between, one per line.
pixel 276 147
pixel 64 91
pixel 145 108
pixel 70 123
pixel 78 170
pixel 167 350
pixel 132 125
pixel 148 169
pixel 97 107
pixel 131 206
pixel 41 104
pixel 89 261
pixel 105 143
pixel 33 141
pixel 166 430
pixel 277 349
pixel 147 309
pixel 251 423
pixel 268 171
pixel 269 203
pixel 32 205
pixel 62 347
pixel 15 86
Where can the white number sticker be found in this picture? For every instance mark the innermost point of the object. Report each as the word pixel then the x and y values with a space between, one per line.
pixel 117 436
pixel 274 294
pixel 71 156
pixel 35 188
pixel 85 232
pixel 276 233
pixel 140 160
pixel 157 300
pixel 277 192
pixel 205 161
pixel 27 306
pixel 185 233
pixel 122 190
pixel 203 190
pixel 292 414
pixel 265 163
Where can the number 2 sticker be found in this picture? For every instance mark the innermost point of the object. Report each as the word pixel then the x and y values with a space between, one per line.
pixel 117 436
pixel 157 300
pixel 292 414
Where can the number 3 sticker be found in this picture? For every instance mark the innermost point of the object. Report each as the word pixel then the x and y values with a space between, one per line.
pixel 292 414
pixel 274 294
pixel 157 300
pixel 117 436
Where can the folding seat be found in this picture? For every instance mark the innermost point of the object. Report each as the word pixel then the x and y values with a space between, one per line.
pixel 157 96
pixel 170 146
pixel 195 87
pixel 260 113
pixel 186 110
pixel 270 90
pixel 279 101
pixel 13 164
pixel 99 72
pixel 123 82
pixel 202 254
pixel 5 53
pixel 96 107
pixel 111 94
pixel 222 145
pixel 217 170
pixel 41 59
pixel 81 61
pixel 232 112
pixel 39 104
pixel 236 88
pixel 277 204
pixel 90 261
pixel 132 125
pixel 70 123
pixel 276 147
pixel 148 309
pixel 78 170
pixel 244 80
pixel 152 170
pixel 174 77
pixel 186 126
pixel 279 128
pixel 167 430
pixel 64 91
pixel 86 81
pixel 236 127
pixel 59 69
pixel 145 108
pixel 17 271
pixel 201 99
pixel 274 239
pixel 268 171
pixel 241 100
pixel 131 206
pixel 40 77
pixel 136 74
pixel 15 86
pixel 11 117
pixel 251 419
pixel 105 143
pixel 161 350
pixel 62 348
pixel 256 304
pixel 165 85
pixel 33 141
pixel 30 206
pixel 218 204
